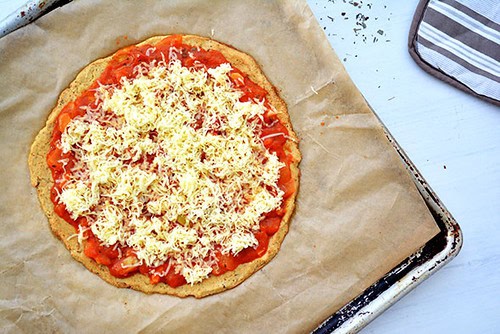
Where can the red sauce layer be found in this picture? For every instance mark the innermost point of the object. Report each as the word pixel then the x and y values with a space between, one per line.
pixel 122 65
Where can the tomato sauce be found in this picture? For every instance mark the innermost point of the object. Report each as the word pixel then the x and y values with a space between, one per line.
pixel 121 261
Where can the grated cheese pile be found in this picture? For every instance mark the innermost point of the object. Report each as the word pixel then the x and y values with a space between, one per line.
pixel 170 163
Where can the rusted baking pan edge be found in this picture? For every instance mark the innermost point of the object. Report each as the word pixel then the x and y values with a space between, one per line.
pixel 408 274
pixel 27 13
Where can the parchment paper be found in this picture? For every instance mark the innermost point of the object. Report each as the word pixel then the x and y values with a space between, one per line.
pixel 358 213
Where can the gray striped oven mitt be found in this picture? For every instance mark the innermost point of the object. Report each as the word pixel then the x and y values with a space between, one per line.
pixel 458 41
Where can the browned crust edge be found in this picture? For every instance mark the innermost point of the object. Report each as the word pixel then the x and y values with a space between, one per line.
pixel 41 178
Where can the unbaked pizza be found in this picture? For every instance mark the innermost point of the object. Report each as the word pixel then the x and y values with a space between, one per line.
pixel 169 167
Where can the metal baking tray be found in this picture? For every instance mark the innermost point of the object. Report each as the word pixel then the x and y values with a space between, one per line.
pixel 406 276
pixel 394 285
pixel 27 13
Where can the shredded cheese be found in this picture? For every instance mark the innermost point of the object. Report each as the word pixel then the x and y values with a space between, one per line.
pixel 170 163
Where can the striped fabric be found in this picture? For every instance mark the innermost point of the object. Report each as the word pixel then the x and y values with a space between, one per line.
pixel 462 39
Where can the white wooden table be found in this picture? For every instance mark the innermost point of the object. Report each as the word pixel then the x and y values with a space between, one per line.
pixel 453 139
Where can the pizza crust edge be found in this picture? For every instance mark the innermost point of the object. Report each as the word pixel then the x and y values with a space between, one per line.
pixel 41 179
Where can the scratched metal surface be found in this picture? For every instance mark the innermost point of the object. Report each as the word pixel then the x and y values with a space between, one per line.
pixel 26 13
pixel 408 274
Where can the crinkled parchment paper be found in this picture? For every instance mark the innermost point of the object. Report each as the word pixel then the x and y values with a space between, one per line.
pixel 358 213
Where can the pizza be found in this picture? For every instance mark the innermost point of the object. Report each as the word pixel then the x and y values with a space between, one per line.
pixel 169 167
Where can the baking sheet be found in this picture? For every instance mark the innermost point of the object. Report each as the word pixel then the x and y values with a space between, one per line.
pixel 436 253
pixel 358 212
